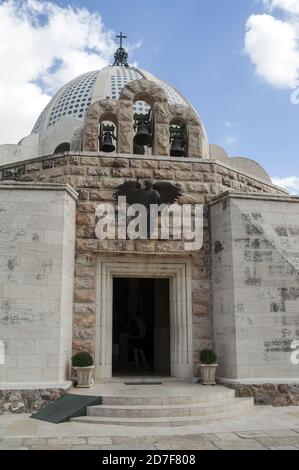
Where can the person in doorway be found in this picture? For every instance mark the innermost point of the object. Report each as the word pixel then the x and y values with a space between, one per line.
pixel 137 332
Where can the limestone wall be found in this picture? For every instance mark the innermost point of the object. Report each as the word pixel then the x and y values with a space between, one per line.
pixel 95 177
pixel 255 264
pixel 37 242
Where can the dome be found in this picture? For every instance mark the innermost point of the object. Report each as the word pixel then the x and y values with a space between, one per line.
pixel 75 97
pixel 59 127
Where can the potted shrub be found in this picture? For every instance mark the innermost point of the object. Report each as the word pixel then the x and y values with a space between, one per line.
pixel 83 364
pixel 208 366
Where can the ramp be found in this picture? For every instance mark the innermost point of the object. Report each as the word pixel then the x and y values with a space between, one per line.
pixel 67 407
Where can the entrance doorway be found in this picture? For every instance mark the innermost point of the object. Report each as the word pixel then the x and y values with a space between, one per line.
pixel 141 327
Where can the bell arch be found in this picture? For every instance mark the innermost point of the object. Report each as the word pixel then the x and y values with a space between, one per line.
pixel 178 129
pixel 108 124
pixel 143 125
pixel 188 117
pixel 121 114
pixel 154 95
pixel 99 111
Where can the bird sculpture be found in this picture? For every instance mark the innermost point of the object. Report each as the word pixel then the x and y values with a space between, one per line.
pixel 158 193
pixel 152 193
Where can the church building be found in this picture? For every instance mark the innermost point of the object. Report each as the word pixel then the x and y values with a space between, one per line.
pixel 66 288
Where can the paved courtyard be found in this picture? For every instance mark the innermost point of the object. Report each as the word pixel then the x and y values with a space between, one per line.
pixel 265 428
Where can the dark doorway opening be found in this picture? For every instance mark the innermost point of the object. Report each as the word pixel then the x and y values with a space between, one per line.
pixel 141 327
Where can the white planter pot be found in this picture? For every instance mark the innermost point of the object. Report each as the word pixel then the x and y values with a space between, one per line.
pixel 84 376
pixel 208 373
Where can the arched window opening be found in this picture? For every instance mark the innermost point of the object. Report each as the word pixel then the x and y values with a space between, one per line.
pixel 107 137
pixel 64 147
pixel 143 128
pixel 178 139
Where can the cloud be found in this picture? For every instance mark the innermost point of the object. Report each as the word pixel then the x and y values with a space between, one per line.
pixel 230 124
pixel 289 6
pixel 42 46
pixel 290 183
pixel 231 139
pixel 272 46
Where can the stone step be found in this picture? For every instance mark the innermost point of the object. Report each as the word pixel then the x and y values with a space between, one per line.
pixel 181 404
pixel 170 421
pixel 170 411
pixel 202 397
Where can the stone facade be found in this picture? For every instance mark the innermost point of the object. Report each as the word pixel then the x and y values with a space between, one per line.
pixel 255 264
pixel 238 293
pixel 37 243
pixel 95 177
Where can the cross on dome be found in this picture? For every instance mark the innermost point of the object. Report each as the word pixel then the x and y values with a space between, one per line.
pixel 121 55
pixel 121 37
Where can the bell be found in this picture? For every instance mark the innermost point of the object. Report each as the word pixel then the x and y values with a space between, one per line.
pixel 138 149
pixel 107 143
pixel 177 147
pixel 143 136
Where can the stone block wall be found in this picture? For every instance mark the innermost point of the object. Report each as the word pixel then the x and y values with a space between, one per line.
pixel 37 247
pixel 255 265
pixel 28 400
pixel 95 178
pixel 274 394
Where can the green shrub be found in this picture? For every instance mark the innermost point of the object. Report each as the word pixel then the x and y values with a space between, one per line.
pixel 82 359
pixel 207 356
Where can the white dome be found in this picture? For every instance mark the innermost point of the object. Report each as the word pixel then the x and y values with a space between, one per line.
pixel 73 100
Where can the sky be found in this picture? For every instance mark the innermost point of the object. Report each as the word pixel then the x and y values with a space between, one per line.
pixel 236 61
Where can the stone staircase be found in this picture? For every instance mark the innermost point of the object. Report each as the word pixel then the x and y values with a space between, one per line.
pixel 146 406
